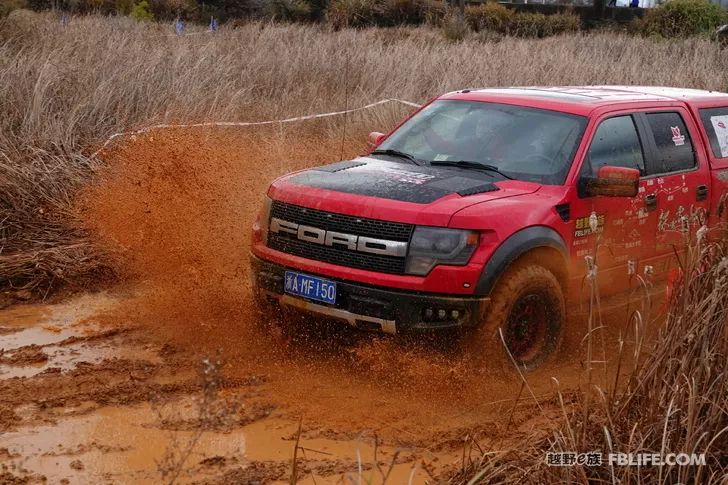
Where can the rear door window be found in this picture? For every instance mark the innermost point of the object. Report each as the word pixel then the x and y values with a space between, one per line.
pixel 615 143
pixel 715 122
pixel 673 146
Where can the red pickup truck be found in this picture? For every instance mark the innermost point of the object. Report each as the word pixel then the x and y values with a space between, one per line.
pixel 483 207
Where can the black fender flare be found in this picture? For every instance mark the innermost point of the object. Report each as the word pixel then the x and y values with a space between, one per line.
pixel 515 246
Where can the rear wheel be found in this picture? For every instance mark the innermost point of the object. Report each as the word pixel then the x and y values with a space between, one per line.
pixel 527 307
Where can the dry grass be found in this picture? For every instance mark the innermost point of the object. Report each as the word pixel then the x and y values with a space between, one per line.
pixel 65 89
pixel 674 401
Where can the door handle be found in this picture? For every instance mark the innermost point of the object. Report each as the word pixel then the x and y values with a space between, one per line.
pixel 701 193
pixel 651 202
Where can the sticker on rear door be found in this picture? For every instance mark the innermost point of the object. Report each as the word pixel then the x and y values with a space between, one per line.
pixel 677 138
pixel 720 125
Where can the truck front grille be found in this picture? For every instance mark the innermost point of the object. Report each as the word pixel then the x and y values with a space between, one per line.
pixel 330 221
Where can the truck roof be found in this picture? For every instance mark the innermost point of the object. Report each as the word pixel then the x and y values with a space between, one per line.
pixel 584 99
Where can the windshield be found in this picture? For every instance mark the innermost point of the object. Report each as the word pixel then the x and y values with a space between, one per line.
pixel 524 143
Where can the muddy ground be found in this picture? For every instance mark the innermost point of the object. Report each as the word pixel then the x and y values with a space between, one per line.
pixel 165 374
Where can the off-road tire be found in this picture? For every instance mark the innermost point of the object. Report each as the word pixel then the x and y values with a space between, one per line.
pixel 527 305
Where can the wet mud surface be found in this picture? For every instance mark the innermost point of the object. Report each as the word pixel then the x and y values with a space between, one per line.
pixel 170 375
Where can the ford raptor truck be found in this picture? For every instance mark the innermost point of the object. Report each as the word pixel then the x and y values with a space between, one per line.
pixel 484 208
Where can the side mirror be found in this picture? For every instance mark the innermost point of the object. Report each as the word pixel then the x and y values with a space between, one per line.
pixel 613 182
pixel 374 139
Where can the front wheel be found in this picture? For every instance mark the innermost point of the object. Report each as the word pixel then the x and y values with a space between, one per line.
pixel 527 309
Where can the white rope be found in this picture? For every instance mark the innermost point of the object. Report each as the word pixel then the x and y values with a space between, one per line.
pixel 249 123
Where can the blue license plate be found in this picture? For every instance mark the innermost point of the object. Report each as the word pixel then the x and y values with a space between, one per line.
pixel 311 287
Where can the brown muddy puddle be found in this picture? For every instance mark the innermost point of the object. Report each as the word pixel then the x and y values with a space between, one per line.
pixel 35 338
pixel 353 428
pixel 126 445
pixel 59 439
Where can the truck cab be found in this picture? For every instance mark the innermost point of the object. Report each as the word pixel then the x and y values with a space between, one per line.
pixel 485 209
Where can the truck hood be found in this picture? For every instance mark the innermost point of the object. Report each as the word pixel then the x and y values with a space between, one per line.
pixel 378 189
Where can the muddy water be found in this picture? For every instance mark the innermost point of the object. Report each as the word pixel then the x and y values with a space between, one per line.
pixel 92 443
pixel 60 336
pixel 123 445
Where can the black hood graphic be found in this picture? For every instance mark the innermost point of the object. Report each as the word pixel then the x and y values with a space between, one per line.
pixel 396 181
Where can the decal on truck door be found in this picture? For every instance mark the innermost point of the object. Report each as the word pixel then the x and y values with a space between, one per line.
pixel 582 227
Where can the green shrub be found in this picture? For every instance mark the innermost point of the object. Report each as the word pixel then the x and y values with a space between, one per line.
pixel 364 13
pixel 681 18
pixel 436 12
pixel 291 10
pixel 455 26
pixel 123 7
pixel 497 18
pixel 352 13
pixel 527 24
pixel 561 23
pixel 489 16
pixel 141 11
pixel 7 6
pixel 400 12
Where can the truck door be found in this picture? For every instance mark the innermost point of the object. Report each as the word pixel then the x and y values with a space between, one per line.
pixel 715 126
pixel 621 221
pixel 677 184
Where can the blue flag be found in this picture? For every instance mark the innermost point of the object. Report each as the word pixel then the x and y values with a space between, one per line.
pixel 179 27
pixel 213 24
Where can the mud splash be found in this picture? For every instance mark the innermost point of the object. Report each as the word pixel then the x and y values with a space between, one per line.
pixel 174 211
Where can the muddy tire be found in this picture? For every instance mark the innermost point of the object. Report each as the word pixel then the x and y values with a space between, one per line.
pixel 527 305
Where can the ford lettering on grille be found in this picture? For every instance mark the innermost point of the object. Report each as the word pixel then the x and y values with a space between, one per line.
pixel 352 242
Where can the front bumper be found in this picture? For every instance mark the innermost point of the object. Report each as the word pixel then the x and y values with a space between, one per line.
pixel 371 307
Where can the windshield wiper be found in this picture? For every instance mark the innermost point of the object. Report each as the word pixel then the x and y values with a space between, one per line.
pixel 396 153
pixel 469 164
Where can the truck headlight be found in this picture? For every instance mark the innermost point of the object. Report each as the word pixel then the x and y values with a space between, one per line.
pixel 431 246
pixel 264 219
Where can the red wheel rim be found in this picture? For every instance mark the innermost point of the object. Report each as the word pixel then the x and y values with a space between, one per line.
pixel 526 327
